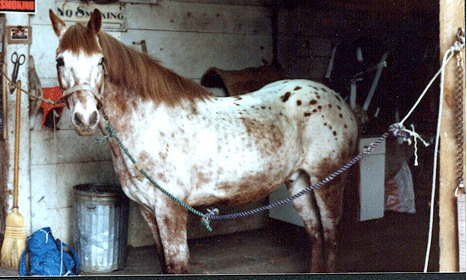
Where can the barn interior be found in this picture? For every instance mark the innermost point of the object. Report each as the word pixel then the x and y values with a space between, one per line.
pixel 233 47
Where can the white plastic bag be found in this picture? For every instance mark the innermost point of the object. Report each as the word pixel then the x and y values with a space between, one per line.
pixel 399 193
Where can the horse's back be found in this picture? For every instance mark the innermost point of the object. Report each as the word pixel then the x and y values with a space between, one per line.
pixel 327 126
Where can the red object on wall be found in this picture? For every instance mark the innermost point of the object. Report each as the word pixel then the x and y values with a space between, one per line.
pixel 54 94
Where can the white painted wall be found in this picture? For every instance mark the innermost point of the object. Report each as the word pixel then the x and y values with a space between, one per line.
pixel 24 147
pixel 186 36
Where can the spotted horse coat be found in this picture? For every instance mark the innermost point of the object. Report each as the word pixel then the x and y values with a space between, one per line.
pixel 202 149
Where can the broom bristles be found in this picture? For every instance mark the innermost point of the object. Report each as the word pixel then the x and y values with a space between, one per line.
pixel 14 242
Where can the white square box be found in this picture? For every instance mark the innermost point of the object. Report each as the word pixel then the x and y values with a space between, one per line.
pixel 372 181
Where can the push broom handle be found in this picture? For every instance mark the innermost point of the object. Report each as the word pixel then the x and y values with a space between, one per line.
pixel 17 127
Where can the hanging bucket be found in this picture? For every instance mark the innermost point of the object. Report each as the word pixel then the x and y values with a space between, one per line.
pixel 100 228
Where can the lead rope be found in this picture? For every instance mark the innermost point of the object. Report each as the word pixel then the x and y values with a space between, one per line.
pixel 111 133
pixel 213 214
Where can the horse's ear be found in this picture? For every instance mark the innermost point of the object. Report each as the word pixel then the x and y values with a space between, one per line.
pixel 58 24
pixel 95 22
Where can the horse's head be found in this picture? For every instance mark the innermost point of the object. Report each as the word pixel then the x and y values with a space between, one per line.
pixel 80 70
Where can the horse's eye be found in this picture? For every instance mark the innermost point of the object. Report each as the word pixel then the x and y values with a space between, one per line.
pixel 60 62
pixel 101 62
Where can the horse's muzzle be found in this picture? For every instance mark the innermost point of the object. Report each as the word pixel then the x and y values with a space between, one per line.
pixel 85 125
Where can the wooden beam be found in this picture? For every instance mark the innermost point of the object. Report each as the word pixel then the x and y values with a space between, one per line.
pixel 451 17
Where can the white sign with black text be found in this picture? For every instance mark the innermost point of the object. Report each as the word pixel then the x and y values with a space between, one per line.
pixel 113 15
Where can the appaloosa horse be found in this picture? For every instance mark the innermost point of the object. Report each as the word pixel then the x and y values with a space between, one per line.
pixel 202 149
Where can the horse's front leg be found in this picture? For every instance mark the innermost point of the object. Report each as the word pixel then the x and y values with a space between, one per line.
pixel 171 220
pixel 150 219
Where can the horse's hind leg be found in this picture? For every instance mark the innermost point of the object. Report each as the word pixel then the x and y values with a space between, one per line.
pixel 307 209
pixel 329 199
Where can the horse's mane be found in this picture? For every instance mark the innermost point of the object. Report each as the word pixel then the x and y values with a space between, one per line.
pixel 136 72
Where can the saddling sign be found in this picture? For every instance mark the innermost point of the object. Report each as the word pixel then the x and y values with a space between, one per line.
pixel 18 6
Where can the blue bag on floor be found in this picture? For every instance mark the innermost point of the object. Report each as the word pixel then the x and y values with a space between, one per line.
pixel 47 256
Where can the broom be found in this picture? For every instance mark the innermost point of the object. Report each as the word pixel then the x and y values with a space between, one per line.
pixel 14 241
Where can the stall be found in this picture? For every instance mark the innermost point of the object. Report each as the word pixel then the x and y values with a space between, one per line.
pixel 378 55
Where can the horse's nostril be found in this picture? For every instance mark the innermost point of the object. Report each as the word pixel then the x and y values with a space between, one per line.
pixel 93 119
pixel 78 119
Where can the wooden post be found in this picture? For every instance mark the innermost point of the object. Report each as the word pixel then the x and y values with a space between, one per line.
pixel 451 17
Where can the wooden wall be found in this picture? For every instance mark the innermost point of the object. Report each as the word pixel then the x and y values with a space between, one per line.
pixel 186 36
pixel 308 30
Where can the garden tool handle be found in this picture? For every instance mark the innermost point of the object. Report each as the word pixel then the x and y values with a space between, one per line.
pixel 17 132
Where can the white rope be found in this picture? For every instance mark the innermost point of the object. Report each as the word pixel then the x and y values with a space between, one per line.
pixel 446 58
pixel 46 235
pixel 415 137
pixel 421 96
pixel 61 258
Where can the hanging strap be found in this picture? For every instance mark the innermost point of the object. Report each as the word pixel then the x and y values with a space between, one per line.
pixel 461 231
pixel 379 70
pixel 331 63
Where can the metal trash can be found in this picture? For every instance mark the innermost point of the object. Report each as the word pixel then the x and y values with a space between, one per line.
pixel 100 227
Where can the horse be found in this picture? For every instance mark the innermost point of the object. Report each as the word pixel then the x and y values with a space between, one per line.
pixel 202 149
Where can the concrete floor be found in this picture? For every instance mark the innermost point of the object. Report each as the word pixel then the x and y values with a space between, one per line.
pixel 395 243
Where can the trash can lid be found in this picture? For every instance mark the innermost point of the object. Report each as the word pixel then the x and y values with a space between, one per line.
pixel 99 189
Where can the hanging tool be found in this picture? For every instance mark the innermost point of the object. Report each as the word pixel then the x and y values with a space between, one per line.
pixel 14 241
pixel 17 61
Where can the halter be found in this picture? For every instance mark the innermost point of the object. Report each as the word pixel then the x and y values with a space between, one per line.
pixel 73 89
pixel 99 95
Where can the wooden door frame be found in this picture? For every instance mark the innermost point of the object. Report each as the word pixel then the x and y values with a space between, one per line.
pixel 451 17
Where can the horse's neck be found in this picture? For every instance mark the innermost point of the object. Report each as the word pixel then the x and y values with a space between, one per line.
pixel 118 104
pixel 125 109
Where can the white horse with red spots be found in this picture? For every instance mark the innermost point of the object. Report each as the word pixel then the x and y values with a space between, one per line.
pixel 202 149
